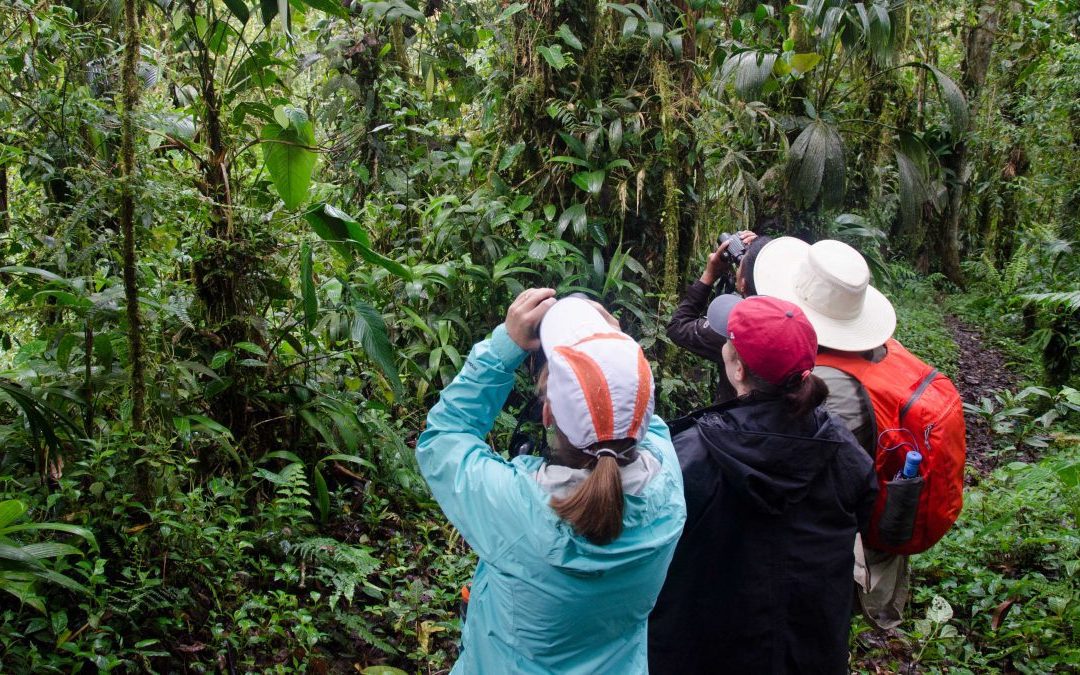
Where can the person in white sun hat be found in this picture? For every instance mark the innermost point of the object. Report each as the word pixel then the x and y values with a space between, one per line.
pixel 573 546
pixel 830 282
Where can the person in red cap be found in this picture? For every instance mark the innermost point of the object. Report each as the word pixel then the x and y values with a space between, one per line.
pixel 776 490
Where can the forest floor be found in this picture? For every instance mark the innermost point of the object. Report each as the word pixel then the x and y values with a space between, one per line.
pixel 982 370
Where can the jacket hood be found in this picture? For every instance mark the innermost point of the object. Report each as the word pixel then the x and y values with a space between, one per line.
pixel 651 519
pixel 773 470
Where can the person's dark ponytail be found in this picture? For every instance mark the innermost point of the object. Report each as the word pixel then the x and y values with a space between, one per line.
pixel 805 393
pixel 595 509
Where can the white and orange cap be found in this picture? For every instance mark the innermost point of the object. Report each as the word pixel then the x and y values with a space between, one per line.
pixel 600 386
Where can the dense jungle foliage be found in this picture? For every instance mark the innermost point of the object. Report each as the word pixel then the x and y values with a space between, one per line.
pixel 244 244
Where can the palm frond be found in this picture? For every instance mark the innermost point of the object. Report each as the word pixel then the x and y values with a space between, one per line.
pixel 816 166
pixel 750 69
pixel 913 191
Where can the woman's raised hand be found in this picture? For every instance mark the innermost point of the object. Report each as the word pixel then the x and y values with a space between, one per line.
pixel 524 315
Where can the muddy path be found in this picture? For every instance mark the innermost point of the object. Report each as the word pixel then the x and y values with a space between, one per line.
pixel 982 371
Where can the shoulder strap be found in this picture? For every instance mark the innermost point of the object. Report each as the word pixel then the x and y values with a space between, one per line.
pixel 923 385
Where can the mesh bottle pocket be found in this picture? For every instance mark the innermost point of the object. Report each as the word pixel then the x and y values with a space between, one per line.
pixel 897 521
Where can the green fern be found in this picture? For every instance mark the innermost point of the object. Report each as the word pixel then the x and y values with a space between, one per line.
pixel 1017 269
pixel 341 566
pixel 1069 300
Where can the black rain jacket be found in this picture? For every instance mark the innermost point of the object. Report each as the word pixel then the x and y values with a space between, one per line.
pixel 761 578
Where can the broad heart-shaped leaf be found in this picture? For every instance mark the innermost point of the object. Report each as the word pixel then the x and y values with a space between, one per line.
pixel 816 166
pixel 307 287
pixel 589 181
pixel 290 160
pixel 554 56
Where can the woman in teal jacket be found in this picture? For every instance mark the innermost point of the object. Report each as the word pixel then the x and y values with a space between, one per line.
pixel 573 548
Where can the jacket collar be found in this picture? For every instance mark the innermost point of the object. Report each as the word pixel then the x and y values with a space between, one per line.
pixel 559 481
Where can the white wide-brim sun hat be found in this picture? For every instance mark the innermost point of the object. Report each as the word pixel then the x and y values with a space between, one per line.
pixel 830 282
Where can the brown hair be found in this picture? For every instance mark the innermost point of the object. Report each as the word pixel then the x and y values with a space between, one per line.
pixel 801 394
pixel 595 509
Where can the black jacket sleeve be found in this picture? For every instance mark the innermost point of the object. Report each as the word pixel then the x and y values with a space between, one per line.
pixel 689 328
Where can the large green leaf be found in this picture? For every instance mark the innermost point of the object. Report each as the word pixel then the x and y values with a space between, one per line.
pixel 369 329
pixel 750 70
pixel 346 236
pixel 239 9
pixel 333 7
pixel 10 511
pixel 290 157
pixel 55 527
pixel 554 56
pixel 880 36
pixel 589 181
pixel 816 166
pixel 913 190
pixel 576 215
pixel 567 36
pixel 336 228
pixel 954 100
pixel 510 155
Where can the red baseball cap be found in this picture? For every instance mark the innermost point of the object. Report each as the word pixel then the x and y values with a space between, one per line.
pixel 773 337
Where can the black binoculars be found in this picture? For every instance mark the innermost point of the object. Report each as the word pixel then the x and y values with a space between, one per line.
pixel 735 250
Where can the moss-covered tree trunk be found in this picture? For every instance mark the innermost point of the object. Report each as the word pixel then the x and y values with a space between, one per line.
pixel 944 239
pixel 5 208
pixel 130 98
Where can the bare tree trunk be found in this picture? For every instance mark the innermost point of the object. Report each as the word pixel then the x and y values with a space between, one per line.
pixel 127 213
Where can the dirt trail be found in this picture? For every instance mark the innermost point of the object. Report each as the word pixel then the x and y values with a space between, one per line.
pixel 982 370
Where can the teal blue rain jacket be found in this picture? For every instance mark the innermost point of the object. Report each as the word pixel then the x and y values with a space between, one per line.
pixel 543 600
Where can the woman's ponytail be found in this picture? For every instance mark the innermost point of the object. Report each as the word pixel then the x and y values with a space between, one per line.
pixel 806 393
pixel 595 509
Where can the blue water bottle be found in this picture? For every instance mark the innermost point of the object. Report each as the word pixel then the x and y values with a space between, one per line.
pixel 911 466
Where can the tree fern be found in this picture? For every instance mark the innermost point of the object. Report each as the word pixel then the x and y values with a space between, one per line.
pixel 1070 300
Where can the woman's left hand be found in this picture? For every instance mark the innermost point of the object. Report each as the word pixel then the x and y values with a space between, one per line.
pixel 524 315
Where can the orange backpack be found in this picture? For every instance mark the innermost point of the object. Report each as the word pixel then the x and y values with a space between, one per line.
pixel 916 408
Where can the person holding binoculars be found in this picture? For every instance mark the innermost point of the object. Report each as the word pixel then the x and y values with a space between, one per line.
pixel 689 327
pixel 573 546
